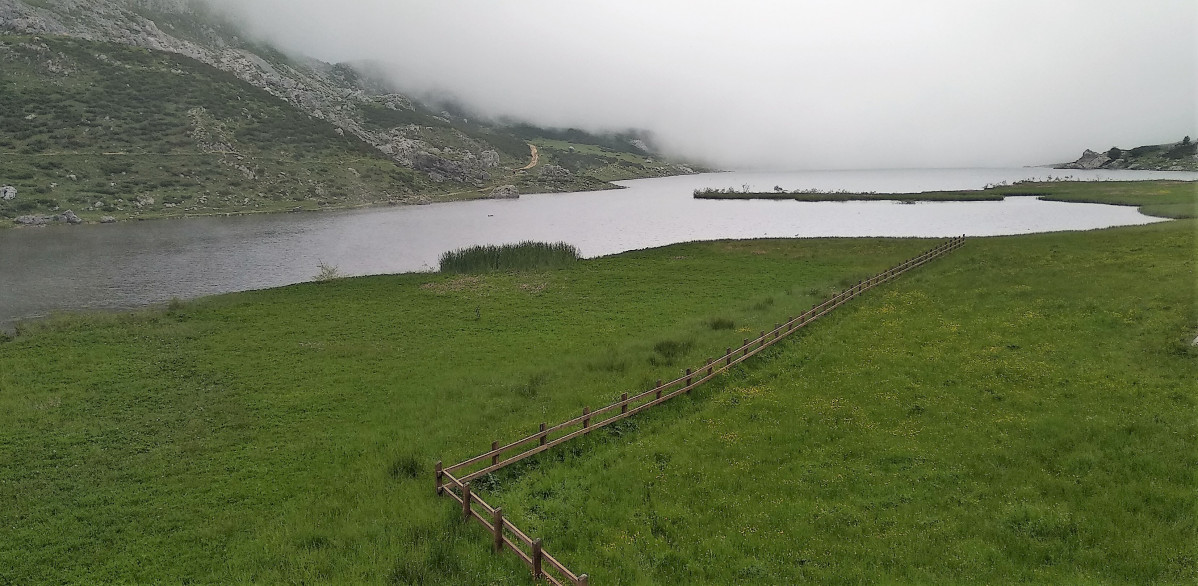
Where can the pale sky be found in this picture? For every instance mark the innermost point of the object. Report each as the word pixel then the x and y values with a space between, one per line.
pixel 789 84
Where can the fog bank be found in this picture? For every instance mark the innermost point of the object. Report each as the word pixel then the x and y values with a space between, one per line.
pixel 788 85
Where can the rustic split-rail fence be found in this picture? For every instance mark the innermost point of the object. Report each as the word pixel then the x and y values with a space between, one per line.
pixel 454 481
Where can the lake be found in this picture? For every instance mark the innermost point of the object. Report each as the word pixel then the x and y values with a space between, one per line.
pixel 133 264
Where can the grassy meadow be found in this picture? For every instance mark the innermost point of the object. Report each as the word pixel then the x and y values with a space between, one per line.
pixel 1020 411
pixel 289 435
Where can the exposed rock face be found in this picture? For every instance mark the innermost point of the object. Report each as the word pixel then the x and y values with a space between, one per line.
pixel 8 193
pixel 1088 160
pixel 32 220
pixel 489 159
pixel 107 220
pixel 556 173
pixel 441 167
pixel 67 217
pixel 505 192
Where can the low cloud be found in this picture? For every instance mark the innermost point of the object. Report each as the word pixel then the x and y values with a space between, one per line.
pixel 813 84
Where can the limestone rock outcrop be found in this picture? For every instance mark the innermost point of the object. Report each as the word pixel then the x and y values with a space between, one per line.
pixel 505 192
pixel 1088 160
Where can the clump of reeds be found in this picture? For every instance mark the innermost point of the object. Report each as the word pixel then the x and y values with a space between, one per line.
pixel 509 257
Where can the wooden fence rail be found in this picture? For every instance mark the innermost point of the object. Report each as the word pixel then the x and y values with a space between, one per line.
pixel 546 566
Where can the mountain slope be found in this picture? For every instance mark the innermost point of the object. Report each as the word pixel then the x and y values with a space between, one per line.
pixel 106 129
pixel 210 123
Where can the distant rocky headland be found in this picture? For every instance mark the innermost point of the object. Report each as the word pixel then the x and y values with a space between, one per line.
pixel 1177 156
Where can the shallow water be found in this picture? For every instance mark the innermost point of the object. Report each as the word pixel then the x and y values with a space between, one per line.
pixel 138 263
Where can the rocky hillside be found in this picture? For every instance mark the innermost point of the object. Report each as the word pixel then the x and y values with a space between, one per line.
pixel 147 108
pixel 1177 156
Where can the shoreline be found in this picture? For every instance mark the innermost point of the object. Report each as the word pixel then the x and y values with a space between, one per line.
pixel 10 223
pixel 1102 191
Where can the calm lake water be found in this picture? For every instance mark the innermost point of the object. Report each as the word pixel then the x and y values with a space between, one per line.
pixel 133 264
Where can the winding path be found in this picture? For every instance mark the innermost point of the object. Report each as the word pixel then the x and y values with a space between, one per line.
pixel 536 157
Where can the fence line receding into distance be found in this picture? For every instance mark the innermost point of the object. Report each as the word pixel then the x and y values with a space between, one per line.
pixel 507 536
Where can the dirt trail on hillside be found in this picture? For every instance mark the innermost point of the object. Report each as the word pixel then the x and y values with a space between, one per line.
pixel 536 157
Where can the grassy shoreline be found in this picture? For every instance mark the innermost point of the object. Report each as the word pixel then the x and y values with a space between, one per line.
pixel 1022 410
pixel 1162 198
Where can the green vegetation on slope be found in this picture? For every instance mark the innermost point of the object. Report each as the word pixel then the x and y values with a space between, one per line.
pixel 603 163
pixel 106 129
pixel 1164 199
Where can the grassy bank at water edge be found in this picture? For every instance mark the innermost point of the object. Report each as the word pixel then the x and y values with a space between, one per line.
pixel 1023 410
pixel 1165 199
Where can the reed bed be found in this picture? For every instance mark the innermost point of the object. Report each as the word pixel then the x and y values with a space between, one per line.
pixel 509 257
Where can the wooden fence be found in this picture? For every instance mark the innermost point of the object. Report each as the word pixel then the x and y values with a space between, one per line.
pixel 454 480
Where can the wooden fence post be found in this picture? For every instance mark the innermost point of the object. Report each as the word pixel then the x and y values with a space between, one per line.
pixel 688 379
pixel 727 356
pixel 498 529
pixel 536 559
pixel 623 403
pixel 494 457
pixel 543 434
pixel 745 348
pixel 658 387
pixel 586 421
pixel 466 501
pixel 777 330
pixel 763 338
pixel 440 478
pixel 583 580
pixel 709 367
pixel 790 323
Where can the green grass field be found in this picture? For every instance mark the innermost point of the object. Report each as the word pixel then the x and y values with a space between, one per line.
pixel 1021 411
pixel 288 435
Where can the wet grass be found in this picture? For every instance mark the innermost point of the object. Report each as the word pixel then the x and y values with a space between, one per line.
pixel 1022 411
pixel 289 435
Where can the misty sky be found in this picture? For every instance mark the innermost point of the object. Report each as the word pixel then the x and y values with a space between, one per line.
pixel 789 84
